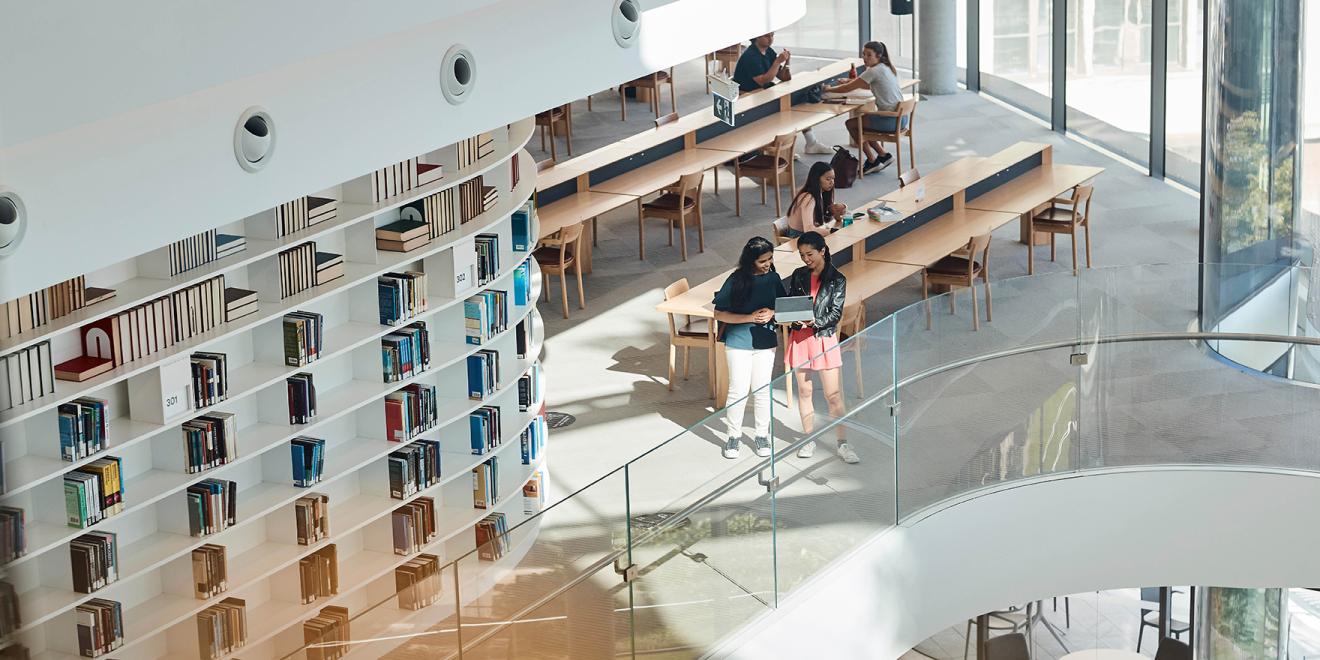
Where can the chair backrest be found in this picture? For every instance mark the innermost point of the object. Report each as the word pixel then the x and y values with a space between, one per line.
pixel 563 238
pixel 779 229
pixel 689 185
pixel 1172 649
pixel 673 291
pixel 543 165
pixel 1012 646
pixel 669 118
pixel 978 245
pixel 782 147
pixel 852 320
pixel 1082 203
pixel 908 178
pixel 906 108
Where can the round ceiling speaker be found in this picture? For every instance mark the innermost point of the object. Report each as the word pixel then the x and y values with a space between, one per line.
pixel 13 222
pixel 626 21
pixel 458 74
pixel 254 139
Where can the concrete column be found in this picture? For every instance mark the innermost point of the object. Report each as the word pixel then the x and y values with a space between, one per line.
pixel 937 46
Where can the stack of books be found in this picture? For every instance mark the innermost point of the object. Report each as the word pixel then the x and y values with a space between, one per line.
pixel 302 398
pixel 210 378
pixel 311 515
pixel 522 283
pixel 414 468
pixel 492 537
pixel 329 267
pixel 483 371
pixel 401 296
pixel 302 213
pixel 484 427
pixel 13 538
pixel 406 352
pixel 303 332
pixel 327 634
pixel 485 315
pixel 222 628
pixel 318 574
pixel 192 252
pixel 229 244
pixel 26 375
pixel 194 310
pixel 533 440
pixel 36 309
pixel 488 258
pixel 439 213
pixel 413 525
pixel 417 582
pixel 533 494
pixel 94 561
pixel 472 150
pixel 209 441
pixel 100 627
pixel 297 269
pixel 212 506
pixel 210 571
pixel 521 227
pixel 409 411
pixel 308 456
pixel 239 303
pixel 403 236
pixel 402 177
pixel 93 492
pixel 529 388
pixel 485 484
pixel 83 425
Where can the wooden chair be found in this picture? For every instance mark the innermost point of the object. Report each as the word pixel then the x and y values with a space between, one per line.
pixel 677 205
pixel 779 229
pixel 727 57
pixel 851 324
pixel 555 254
pixel 1064 215
pixel 543 165
pixel 561 116
pixel 774 166
pixel 667 119
pixel 961 271
pixel 687 332
pixel 908 178
pixel 653 83
pixel 905 116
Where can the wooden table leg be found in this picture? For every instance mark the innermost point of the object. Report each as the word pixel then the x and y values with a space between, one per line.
pixel 586 252
pixel 1042 238
pixel 641 233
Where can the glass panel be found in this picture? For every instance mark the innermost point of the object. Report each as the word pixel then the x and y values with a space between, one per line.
pixel 895 32
pixel 1108 51
pixel 1015 52
pixel 420 619
pixel 960 12
pixel 829 28
pixel 1184 96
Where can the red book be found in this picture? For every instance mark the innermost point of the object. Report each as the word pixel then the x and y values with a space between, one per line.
pixel 81 368
pixel 394 420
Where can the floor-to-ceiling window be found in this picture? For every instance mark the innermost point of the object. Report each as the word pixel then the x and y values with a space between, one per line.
pixel 1184 98
pixel 1108 54
pixel 829 28
pixel 895 32
pixel 1015 52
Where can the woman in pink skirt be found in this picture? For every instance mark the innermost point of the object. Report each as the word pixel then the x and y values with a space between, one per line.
pixel 813 346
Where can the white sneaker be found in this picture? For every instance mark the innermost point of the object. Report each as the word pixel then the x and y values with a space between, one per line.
pixel 762 445
pixel 808 450
pixel 818 148
pixel 730 448
pixel 847 454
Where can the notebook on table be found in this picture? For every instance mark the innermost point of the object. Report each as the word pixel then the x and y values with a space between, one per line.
pixel 794 309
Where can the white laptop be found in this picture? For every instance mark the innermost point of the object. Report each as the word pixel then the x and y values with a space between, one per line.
pixel 794 309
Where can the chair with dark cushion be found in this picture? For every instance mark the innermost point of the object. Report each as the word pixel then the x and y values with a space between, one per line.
pixel 1172 649
pixel 1012 646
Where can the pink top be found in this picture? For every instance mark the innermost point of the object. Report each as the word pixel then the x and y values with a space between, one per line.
pixel 807 351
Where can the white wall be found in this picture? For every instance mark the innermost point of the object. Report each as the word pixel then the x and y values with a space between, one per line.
pixel 1070 535
pixel 116 119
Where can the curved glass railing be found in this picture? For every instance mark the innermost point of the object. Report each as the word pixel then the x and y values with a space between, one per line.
pixel 678 548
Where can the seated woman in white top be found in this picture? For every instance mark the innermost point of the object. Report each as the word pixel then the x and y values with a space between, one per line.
pixel 813 207
pixel 882 79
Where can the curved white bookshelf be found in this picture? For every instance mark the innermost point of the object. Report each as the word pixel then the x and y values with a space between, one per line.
pixel 154 545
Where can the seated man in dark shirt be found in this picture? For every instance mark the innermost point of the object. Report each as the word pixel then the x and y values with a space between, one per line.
pixel 759 67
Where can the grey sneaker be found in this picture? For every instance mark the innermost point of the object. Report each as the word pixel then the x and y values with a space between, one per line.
pixel 847 454
pixel 731 448
pixel 763 446
pixel 808 450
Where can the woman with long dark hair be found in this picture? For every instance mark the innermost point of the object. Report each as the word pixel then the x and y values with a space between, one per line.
pixel 813 346
pixel 813 206
pixel 881 77
pixel 744 306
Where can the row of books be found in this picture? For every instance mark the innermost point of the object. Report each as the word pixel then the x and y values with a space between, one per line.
pixel 327 634
pixel 409 411
pixel 318 574
pixel 297 269
pixel 483 373
pixel 475 198
pixel 26 375
pixel 303 334
pixel 38 308
pixel 93 492
pixel 485 484
pixel 212 506
pixel 472 150
pixel 488 258
pixel 10 618
pixel 436 210
pixel 492 537
pixel 13 534
pixel 514 175
pixel 403 235
pixel 197 251
pixel 413 525
pixel 94 561
pixel 406 352
pixel 209 441
pixel 522 283
pixel 311 516
pixel 308 456
pixel 484 427
pixel 401 296
pixel 521 225
pixel 83 424
pixel 210 378
pixel 534 493
pixel 533 440
pixel 413 468
pixel 210 571
pixel 485 315
pixel 302 213
pixel 302 398
pixel 222 628
pixel 239 303
pixel 529 387
pixel 402 177
pixel 417 582
pixel 522 336
pixel 100 627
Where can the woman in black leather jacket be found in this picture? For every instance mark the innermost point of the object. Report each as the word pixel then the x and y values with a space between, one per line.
pixel 814 346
